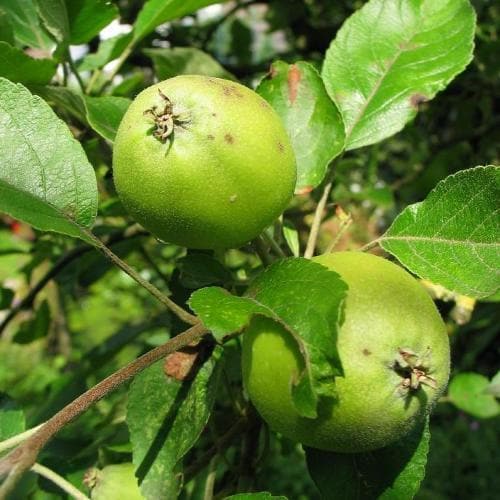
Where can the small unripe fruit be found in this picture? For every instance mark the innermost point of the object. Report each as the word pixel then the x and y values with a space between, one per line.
pixel 394 351
pixel 116 482
pixel 203 162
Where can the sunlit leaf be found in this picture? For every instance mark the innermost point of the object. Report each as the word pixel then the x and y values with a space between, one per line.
pixel 311 119
pixel 389 57
pixel 45 177
pixel 452 238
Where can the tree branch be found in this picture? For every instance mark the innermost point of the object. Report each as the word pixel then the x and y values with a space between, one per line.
pixel 182 314
pixel 24 456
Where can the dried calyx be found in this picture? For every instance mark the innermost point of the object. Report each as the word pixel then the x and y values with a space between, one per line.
pixel 414 370
pixel 167 119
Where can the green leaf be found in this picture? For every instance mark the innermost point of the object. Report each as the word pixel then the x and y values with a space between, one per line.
pixel 75 21
pixel 452 238
pixel 494 387
pixel 55 18
pixel 104 114
pixel 262 495
pixel 35 328
pixel 28 30
pixel 65 98
pixel 307 303
pixel 199 269
pixel 88 17
pixel 468 391
pixel 108 50
pixel 185 61
pixel 165 418
pixel 16 66
pixel 392 473
pixel 6 31
pixel 11 418
pixel 223 313
pixel 156 12
pixel 311 119
pixel 6 296
pixel 291 235
pixel 45 177
pixel 390 56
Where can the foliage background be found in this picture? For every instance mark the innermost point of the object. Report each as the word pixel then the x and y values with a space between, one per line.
pixel 92 319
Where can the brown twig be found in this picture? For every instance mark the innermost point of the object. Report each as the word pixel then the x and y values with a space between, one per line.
pixel 24 456
pixel 370 245
pixel 181 313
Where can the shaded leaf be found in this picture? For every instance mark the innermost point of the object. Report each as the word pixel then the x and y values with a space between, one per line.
pixel 199 269
pixel 468 391
pixel 262 495
pixel 390 56
pixel 306 299
pixel 6 31
pixel 104 114
pixel 6 296
pixel 11 418
pixel 311 119
pixel 16 66
pixel 55 18
pixel 45 177
pixel 65 98
pixel 185 61
pixel 75 21
pixel 452 238
pixel 107 51
pixel 392 473
pixel 156 12
pixel 28 30
pixel 165 418
pixel 35 328
pixel 88 17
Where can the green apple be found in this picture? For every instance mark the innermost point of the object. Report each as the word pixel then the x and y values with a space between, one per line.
pixel 203 162
pixel 395 355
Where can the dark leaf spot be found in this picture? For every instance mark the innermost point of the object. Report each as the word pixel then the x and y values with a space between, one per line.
pixel 417 99
pixel 366 352
pixel 179 364
pixel 210 137
pixel 229 138
pixel 281 147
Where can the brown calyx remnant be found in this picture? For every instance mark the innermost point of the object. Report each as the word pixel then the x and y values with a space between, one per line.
pixel 166 120
pixel 413 369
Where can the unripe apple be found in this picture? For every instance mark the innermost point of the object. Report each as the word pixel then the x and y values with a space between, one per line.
pixel 203 162
pixel 395 356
